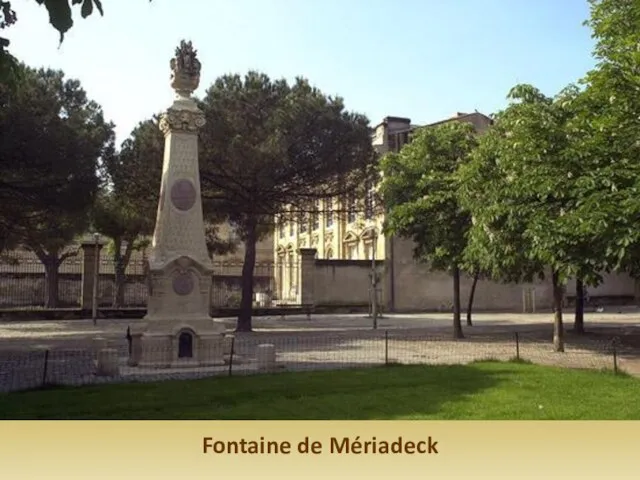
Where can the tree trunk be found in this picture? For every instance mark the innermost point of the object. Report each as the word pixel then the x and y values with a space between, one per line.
pixel 457 324
pixel 120 268
pixel 246 302
pixel 558 328
pixel 471 295
pixel 51 287
pixel 578 323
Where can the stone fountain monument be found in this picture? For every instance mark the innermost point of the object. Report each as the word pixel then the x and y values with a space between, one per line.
pixel 178 329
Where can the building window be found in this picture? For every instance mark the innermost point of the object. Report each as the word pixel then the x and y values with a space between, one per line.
pixel 351 208
pixel 368 250
pixel 398 140
pixel 369 201
pixel 281 228
pixel 292 229
pixel 351 251
pixel 292 276
pixel 328 212
pixel 303 220
pixel 315 216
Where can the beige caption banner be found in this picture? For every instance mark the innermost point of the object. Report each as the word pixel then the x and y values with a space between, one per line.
pixel 318 450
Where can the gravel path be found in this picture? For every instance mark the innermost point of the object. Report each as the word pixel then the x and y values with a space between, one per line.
pixel 322 342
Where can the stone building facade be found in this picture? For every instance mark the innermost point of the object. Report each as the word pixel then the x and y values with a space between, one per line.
pixel 344 244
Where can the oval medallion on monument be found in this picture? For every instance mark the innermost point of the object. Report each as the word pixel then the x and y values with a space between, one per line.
pixel 183 194
pixel 183 283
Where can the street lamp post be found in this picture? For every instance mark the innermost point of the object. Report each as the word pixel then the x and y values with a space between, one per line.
pixel 374 281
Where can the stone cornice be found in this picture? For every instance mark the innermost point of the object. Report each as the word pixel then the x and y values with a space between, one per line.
pixel 189 121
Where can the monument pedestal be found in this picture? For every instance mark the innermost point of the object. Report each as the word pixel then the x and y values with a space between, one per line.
pixel 179 343
pixel 178 330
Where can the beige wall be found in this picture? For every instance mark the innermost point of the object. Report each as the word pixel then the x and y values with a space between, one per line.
pixel 342 282
pixel 614 284
pixel 419 288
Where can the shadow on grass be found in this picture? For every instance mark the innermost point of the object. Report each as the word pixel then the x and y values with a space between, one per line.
pixel 370 393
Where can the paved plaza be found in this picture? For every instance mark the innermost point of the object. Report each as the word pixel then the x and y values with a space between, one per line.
pixel 324 342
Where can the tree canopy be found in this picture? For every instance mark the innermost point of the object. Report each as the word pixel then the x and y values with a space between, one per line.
pixel 53 139
pixel 419 188
pixel 269 145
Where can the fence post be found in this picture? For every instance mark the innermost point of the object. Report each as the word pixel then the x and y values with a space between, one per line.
pixel 615 359
pixel 386 347
pixel 96 271
pixel 46 367
pixel 233 341
pixel 517 346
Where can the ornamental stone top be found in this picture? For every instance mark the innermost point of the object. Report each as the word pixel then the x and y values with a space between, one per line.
pixel 185 70
pixel 175 120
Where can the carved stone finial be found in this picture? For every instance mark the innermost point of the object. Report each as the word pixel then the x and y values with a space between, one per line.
pixel 185 70
pixel 175 120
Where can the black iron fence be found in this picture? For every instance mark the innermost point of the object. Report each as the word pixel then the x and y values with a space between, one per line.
pixel 226 289
pixel 280 352
pixel 123 283
pixel 26 282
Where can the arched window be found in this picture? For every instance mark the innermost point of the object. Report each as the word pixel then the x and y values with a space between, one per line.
pixel 350 243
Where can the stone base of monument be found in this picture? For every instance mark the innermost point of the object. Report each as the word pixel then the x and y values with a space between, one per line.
pixel 178 344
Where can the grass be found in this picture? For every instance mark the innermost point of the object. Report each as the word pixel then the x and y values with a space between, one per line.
pixel 485 390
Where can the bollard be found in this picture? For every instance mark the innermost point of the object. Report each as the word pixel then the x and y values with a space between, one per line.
pixel 266 357
pixel 46 367
pixel 517 346
pixel 107 364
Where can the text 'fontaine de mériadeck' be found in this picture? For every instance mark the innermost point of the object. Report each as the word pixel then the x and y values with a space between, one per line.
pixel 336 445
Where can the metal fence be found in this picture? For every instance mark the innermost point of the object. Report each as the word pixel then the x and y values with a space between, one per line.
pixel 245 354
pixel 123 285
pixel 24 281
pixel 226 289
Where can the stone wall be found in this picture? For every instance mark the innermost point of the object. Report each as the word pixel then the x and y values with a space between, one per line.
pixel 406 285
pixel 342 282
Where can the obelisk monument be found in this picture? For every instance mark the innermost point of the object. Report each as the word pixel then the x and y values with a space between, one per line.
pixel 179 330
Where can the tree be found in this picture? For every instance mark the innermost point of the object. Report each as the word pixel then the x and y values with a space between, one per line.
pixel 268 146
pixel 608 127
pixel 126 208
pixel 52 139
pixel 528 191
pixel 60 15
pixel 419 189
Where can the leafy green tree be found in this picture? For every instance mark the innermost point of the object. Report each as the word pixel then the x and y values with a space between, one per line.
pixel 419 188
pixel 607 129
pixel 52 139
pixel 269 145
pixel 531 198
pixel 126 208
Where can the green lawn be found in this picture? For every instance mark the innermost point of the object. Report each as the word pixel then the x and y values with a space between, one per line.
pixel 485 390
